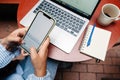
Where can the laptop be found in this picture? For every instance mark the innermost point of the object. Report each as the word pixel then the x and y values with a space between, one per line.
pixel 71 16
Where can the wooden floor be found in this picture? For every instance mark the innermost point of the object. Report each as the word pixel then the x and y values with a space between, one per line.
pixel 9 1
pixel 87 70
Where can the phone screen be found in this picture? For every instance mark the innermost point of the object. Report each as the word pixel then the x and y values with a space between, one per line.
pixel 38 31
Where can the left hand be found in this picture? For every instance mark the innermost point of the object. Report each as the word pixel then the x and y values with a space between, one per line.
pixel 39 59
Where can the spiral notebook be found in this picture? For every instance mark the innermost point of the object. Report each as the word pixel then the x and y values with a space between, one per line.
pixel 99 42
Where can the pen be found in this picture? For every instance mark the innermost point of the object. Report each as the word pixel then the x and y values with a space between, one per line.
pixel 90 37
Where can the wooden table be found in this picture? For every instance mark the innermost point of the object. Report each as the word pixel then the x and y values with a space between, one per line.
pixel 75 55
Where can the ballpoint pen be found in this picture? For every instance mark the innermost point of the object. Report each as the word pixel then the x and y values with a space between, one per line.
pixel 90 37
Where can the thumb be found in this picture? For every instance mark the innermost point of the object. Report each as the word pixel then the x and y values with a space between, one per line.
pixel 33 52
pixel 14 39
pixel 24 53
pixel 45 45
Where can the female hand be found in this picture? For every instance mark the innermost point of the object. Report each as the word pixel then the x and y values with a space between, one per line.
pixel 22 55
pixel 39 59
pixel 13 39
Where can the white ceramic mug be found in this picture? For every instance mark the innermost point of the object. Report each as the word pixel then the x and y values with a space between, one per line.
pixel 109 13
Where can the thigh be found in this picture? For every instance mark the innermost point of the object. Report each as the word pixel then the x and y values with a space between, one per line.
pixel 52 66
pixel 27 68
pixel 14 77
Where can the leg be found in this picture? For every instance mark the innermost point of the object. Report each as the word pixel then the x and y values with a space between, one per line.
pixel 14 77
pixel 51 67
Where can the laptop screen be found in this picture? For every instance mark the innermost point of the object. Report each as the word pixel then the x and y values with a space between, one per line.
pixel 81 7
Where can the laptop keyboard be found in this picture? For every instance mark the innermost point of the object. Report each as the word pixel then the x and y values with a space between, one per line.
pixel 64 20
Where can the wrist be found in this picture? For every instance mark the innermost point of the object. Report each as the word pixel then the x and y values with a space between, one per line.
pixel 46 77
pixel 40 72
pixel 3 42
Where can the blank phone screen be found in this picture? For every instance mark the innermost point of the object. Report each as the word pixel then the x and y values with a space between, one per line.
pixel 37 31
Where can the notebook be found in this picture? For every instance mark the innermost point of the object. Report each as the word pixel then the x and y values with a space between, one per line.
pixel 71 16
pixel 99 42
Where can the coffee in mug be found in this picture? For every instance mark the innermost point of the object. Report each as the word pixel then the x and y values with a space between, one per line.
pixel 109 13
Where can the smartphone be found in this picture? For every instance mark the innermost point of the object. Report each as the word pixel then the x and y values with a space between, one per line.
pixel 38 31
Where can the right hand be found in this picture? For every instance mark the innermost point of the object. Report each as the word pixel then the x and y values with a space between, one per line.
pixel 22 55
pixel 14 37
pixel 39 60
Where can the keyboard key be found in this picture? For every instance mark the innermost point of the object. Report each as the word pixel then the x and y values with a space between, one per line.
pixel 64 20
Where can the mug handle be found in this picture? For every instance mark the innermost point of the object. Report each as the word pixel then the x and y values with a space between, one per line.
pixel 117 19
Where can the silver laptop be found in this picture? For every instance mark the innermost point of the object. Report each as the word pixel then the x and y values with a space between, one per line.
pixel 72 17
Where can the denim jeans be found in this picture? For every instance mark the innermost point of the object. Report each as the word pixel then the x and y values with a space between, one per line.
pixel 28 69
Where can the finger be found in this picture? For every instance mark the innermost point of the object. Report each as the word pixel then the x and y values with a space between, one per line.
pixel 21 32
pixel 14 39
pixel 44 46
pixel 16 35
pixel 23 29
pixel 24 53
pixel 17 39
pixel 33 52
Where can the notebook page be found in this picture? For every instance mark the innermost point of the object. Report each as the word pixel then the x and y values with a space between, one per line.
pixel 99 43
